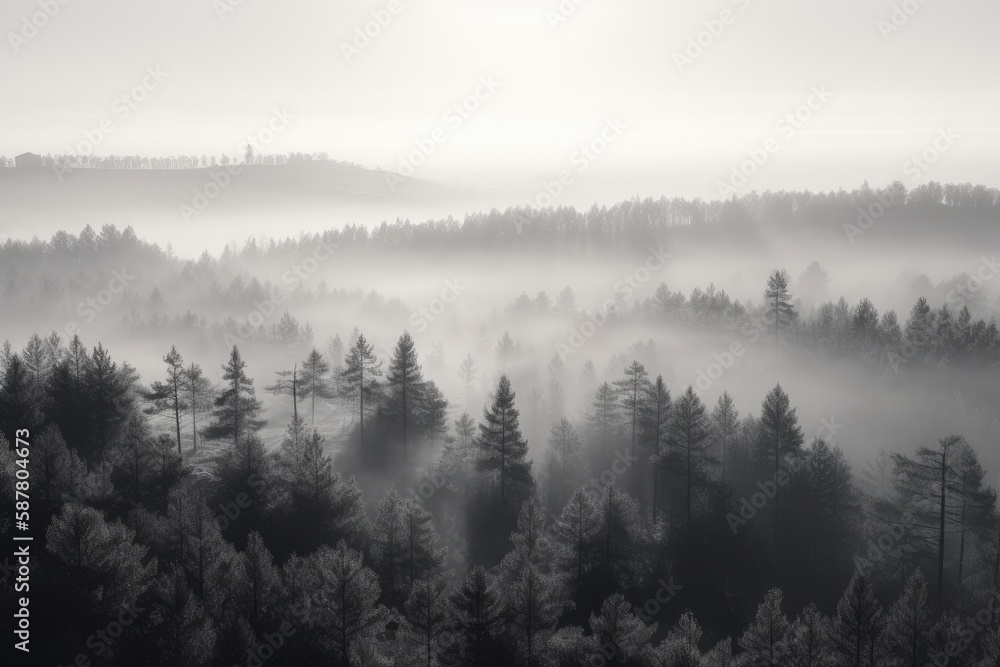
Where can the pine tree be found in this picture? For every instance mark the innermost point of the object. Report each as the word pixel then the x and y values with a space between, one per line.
pixel 603 420
pixel 359 379
pixel 927 482
pixel 478 619
pixel 779 303
pixel 459 451
pixel 920 332
pixel 656 427
pixel 39 358
pixel 186 635
pixel 780 437
pixel 763 639
pixel 389 543
pixel 830 511
pixel 345 599
pixel 720 655
pixel 908 624
pixel 624 537
pixel 632 390
pixel 168 396
pixel 858 625
pixel 56 471
pixel 198 395
pixel 97 559
pixel 971 512
pixel 725 425
pixel 255 581
pixel 808 639
pixel 423 557
pixel 315 381
pixel 468 374
pixel 502 449
pixel 680 647
pixel 564 464
pixel 535 594
pixel 245 467
pixel 236 412
pixel 579 528
pixel 110 398
pixel 290 457
pixel 427 629
pixel 617 625
pixel 145 467
pixel 205 555
pixel 335 353
pixel 689 444
pixel 288 384
pixel 405 381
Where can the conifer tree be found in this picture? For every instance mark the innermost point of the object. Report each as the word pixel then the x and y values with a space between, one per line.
pixel 360 379
pixel 690 454
pixel 315 381
pixel 56 471
pixel 656 427
pixel 427 629
pixel 478 619
pixel 423 557
pixel 624 537
pixel 345 599
pixel 779 303
pixel 468 374
pixel 186 634
pixel 18 408
pixel 97 560
pixel 725 425
pixel 808 639
pixel 579 528
pixel 858 626
pixel 780 437
pixel 237 410
pixel 617 625
pixel 405 382
pixel 502 449
pixel 928 481
pixel 763 639
pixel 168 396
pixel 680 647
pixel 632 390
pixel 198 396
pixel 288 384
pixel 908 623
pixel 255 582
pixel 564 464
pixel 603 419
pixel 389 543
pixel 535 594
pixel 110 397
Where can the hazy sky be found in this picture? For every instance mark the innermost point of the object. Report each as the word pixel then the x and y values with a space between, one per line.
pixel 686 127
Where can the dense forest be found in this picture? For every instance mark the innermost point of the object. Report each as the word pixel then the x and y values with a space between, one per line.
pixel 267 498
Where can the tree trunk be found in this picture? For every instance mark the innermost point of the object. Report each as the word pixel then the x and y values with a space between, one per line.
pixel 941 530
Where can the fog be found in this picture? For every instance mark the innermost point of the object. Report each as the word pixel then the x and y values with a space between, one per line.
pixel 500 334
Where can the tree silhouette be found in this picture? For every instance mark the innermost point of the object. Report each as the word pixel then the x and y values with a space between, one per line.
pixel 779 303
pixel 168 396
pixel 360 378
pixel 235 416
pixel 502 448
